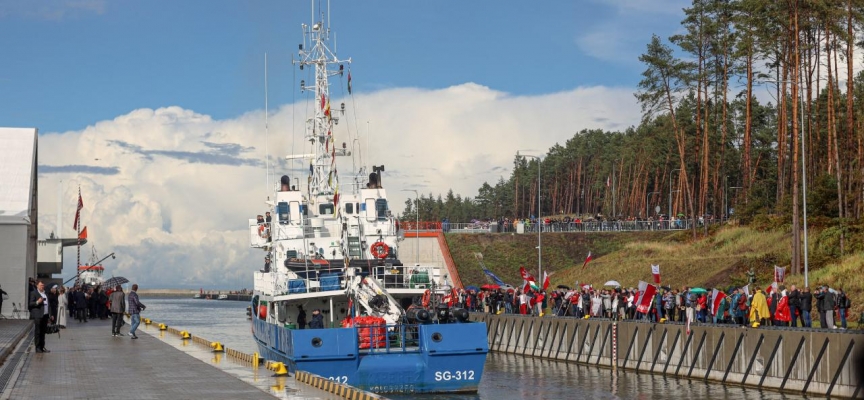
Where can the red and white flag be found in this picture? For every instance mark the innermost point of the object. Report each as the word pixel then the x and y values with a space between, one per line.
pixel 779 274
pixel 646 295
pixel 655 270
pixel 527 279
pixel 716 296
pixel 546 280
pixel 587 259
pixel 78 211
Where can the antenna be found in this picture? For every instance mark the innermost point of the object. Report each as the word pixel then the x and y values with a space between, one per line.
pixel 266 128
pixel 60 210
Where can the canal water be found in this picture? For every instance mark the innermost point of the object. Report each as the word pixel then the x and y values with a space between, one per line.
pixel 506 376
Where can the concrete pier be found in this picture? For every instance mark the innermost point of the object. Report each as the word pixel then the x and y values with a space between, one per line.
pixel 807 361
pixel 86 362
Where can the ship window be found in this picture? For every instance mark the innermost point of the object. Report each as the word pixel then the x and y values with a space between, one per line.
pixel 349 208
pixel 381 209
pixel 282 211
pixel 325 209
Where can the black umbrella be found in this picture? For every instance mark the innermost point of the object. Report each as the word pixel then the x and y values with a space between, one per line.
pixel 117 280
pixel 564 287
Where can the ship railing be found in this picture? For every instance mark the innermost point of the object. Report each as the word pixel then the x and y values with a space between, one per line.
pixel 390 338
pixel 404 276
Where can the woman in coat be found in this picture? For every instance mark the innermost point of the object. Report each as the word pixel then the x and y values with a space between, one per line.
pixel 62 306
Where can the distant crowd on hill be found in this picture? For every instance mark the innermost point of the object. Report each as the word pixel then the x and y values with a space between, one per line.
pixel 740 306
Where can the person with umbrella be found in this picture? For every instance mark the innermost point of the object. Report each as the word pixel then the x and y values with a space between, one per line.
pixel 118 307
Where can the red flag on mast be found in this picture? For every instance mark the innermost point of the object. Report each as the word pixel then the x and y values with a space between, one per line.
pixel 83 234
pixel 78 210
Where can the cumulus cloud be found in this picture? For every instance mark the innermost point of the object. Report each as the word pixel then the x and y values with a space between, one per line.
pixel 621 34
pixel 177 208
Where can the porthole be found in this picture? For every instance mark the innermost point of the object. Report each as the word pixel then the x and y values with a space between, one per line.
pixel 436 337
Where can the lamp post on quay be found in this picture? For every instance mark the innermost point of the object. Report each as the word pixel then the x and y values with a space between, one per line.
pixel 417 226
pixel 669 217
pixel 539 223
pixel 803 168
pixel 647 200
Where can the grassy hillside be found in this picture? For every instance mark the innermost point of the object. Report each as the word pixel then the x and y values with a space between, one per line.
pixel 719 260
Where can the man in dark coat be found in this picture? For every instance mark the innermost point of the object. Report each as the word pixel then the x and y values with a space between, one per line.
pixel 81 305
pixel 38 306
pixel 806 299
pixel 794 297
pixel 301 317
pixel 317 320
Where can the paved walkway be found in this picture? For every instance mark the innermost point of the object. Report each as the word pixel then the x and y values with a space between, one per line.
pixel 86 362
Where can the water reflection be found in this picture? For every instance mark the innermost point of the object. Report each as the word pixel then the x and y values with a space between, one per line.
pixel 507 376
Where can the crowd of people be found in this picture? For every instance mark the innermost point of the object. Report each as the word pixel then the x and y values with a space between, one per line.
pixel 52 309
pixel 778 306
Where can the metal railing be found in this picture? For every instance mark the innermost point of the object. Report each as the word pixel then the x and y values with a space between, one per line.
pixel 583 226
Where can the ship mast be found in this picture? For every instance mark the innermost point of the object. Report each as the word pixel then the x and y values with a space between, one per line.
pixel 316 52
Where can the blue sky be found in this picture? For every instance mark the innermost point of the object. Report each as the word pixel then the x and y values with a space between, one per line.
pixel 154 108
pixel 70 63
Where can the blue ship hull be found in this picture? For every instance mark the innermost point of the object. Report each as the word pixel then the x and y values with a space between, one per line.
pixel 436 358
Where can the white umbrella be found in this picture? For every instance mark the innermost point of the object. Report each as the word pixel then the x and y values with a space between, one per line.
pixel 612 283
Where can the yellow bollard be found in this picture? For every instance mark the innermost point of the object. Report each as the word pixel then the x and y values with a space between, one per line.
pixel 185 335
pixel 279 369
pixel 217 347
pixel 256 359
pixel 163 327
pixel 146 321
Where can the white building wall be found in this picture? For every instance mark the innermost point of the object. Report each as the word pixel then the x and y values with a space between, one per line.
pixel 14 267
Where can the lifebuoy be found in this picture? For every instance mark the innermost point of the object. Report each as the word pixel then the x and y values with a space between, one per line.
pixel 427 295
pixel 379 249
pixel 262 231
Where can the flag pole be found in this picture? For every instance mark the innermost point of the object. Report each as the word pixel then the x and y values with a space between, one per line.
pixel 78 230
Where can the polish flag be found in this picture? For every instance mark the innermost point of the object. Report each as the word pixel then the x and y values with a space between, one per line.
pixel 717 297
pixel 655 270
pixel 546 280
pixel 646 294
pixel 587 259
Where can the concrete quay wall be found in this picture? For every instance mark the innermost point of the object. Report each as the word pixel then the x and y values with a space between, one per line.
pixel 791 360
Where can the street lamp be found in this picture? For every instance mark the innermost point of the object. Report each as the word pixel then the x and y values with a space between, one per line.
pixel 647 199
pixel 803 169
pixel 539 223
pixel 669 217
pixel 417 226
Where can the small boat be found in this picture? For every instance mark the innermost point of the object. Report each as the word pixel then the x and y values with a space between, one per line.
pixel 197 296
pixel 223 297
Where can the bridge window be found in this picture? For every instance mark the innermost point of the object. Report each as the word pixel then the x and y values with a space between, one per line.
pixel 349 208
pixel 381 209
pixel 282 211
pixel 325 209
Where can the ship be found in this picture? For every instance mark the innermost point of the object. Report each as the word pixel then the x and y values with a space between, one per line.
pixel 332 260
pixel 91 274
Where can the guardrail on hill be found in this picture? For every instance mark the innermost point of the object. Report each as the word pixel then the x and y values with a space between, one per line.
pixel 585 226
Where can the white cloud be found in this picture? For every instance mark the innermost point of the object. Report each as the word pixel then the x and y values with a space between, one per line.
pixel 175 188
pixel 621 35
